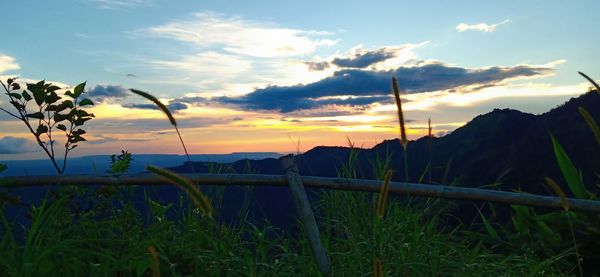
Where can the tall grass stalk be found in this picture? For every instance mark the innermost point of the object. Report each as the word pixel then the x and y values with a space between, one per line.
pixel 200 200
pixel 403 138
pixel 166 111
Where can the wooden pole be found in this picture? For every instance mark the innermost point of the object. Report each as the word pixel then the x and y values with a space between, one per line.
pixel 447 192
pixel 305 212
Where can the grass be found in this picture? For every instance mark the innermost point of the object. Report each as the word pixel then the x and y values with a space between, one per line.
pixel 114 241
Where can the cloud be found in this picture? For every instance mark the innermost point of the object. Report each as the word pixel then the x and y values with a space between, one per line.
pixel 231 55
pixel 234 34
pixel 14 145
pixel 101 139
pixel 365 59
pixel 209 62
pixel 173 106
pixel 119 4
pixel 101 93
pixel 356 87
pixel 483 27
pixel 317 66
pixel 8 63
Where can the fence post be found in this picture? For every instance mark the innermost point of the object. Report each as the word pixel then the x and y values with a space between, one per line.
pixel 305 212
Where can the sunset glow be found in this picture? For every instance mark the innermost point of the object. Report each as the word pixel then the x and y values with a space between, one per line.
pixel 244 78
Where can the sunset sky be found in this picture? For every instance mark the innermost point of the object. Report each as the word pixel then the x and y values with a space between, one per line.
pixel 248 76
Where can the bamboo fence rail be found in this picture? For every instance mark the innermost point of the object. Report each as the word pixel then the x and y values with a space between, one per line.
pixel 423 190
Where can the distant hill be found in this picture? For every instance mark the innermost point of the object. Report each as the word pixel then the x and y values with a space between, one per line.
pixel 98 164
pixel 506 147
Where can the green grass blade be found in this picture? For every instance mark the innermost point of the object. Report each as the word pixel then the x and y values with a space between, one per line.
pixel 489 228
pixel 424 172
pixel 569 171
pixel 383 195
pixel 591 123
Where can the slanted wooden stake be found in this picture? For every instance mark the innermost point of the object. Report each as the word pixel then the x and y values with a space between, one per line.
pixel 305 212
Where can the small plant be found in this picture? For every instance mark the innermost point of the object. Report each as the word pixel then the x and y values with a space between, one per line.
pixel 48 114
pixel 120 164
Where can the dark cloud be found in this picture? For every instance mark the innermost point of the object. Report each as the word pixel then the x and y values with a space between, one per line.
pixel 317 66
pixel 365 59
pixel 173 106
pixel 100 93
pixel 13 145
pixel 368 87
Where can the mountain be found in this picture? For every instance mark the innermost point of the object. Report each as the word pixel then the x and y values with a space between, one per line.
pixel 98 164
pixel 505 147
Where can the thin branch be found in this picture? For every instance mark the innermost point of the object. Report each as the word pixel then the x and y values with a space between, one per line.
pixel 10 113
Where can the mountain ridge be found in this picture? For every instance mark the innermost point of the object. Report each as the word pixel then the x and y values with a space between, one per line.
pixel 503 146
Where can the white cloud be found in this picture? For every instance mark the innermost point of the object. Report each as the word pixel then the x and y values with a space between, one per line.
pixel 119 4
pixel 240 36
pixel 230 55
pixel 209 62
pixel 8 63
pixel 483 27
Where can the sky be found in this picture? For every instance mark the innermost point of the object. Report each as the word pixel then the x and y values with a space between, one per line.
pixel 286 76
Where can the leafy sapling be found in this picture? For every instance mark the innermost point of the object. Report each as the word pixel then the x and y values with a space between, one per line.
pixel 39 107
pixel 120 164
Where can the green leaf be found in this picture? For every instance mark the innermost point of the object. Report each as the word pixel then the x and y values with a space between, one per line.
pixel 78 90
pixel 37 115
pixel 3 167
pixel 68 104
pixel 15 95
pixel 81 121
pixel 142 265
pixel 61 127
pixel 80 113
pixel 520 218
pixel 489 228
pixel 39 96
pixel 52 97
pixel 41 129
pixel 17 105
pixel 547 232
pixel 569 171
pixel 86 102
pixel 52 88
pixel 26 96
pixel 79 132
pixel 60 117
pixel 76 139
pixel 70 94
pixel 52 108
